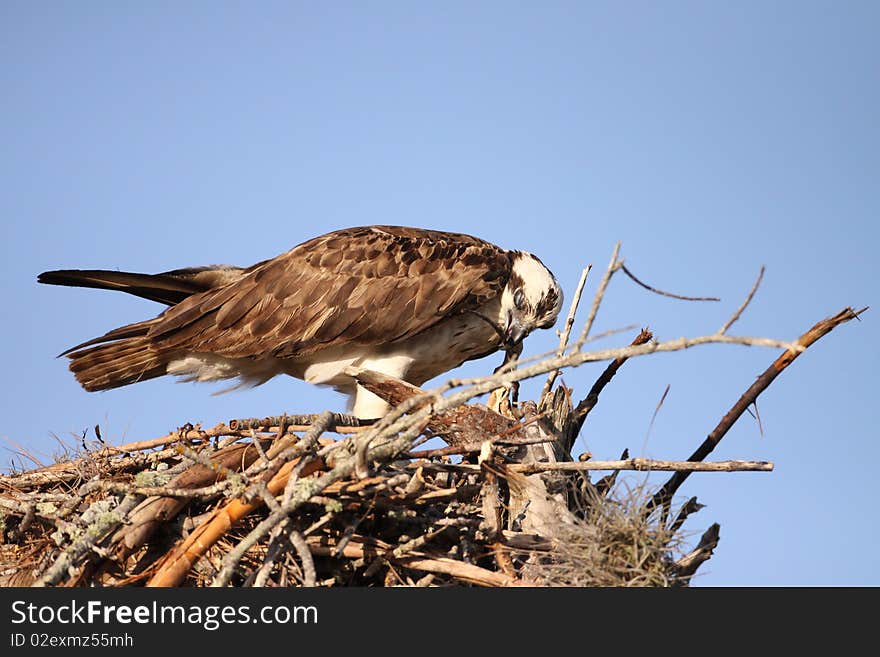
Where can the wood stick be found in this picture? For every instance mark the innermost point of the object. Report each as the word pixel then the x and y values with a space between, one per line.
pixel 661 292
pixel 473 448
pixel 688 508
pixel 566 330
pixel 172 569
pixel 644 465
pixel 820 329
pixel 688 564
pixel 597 298
pixel 589 402
pixel 337 421
pixel 358 548
pixel 739 311
pixel 639 464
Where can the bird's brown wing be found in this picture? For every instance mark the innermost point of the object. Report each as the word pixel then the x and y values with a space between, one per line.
pixel 366 286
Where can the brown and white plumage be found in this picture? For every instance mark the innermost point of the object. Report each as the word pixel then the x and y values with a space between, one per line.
pixel 407 302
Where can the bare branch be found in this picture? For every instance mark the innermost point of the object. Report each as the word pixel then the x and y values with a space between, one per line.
pixel 638 464
pixel 474 447
pixel 688 564
pixel 688 508
pixel 647 465
pixel 665 494
pixel 566 330
pixel 744 304
pixel 305 556
pixel 661 292
pixel 100 525
pixel 600 294
pixel 589 402
pixel 339 422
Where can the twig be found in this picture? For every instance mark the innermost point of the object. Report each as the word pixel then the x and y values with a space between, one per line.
pixel 86 542
pixel 322 423
pixel 490 494
pixel 643 464
pixel 203 492
pixel 661 292
pixel 275 549
pixel 441 565
pixel 472 448
pixel 597 299
pixel 744 304
pixel 687 566
pixel 208 459
pixel 820 329
pixel 176 564
pixel 61 472
pixel 640 464
pixel 689 507
pixel 337 421
pixel 566 330
pixel 30 512
pixel 758 418
pixel 603 486
pixel 479 386
pixel 460 570
pixel 589 402
pixel 279 482
pixel 305 556
pixel 614 331
pixel 657 412
pixel 180 436
pixel 74 470
pixel 419 541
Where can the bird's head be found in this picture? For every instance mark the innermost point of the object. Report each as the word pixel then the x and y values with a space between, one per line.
pixel 531 299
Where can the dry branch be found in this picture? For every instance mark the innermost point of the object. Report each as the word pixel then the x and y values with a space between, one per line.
pixel 339 423
pixel 582 410
pixel 600 294
pixel 820 329
pixel 177 563
pixel 661 292
pixel 687 565
pixel 637 464
pixel 566 329
pixel 739 311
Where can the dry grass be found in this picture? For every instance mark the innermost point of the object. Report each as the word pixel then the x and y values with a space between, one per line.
pixel 615 543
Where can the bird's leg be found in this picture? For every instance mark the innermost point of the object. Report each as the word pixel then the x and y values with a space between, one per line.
pixel 504 399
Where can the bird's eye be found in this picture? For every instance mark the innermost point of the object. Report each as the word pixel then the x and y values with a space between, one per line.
pixel 519 299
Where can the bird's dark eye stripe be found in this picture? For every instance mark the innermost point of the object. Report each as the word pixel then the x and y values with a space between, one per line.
pixel 550 301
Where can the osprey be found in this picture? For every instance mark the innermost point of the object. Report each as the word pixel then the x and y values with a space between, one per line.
pixel 406 302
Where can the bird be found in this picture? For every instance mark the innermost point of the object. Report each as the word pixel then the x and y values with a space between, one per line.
pixel 410 303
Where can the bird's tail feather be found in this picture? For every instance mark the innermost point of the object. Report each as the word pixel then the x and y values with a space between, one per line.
pixel 169 287
pixel 117 363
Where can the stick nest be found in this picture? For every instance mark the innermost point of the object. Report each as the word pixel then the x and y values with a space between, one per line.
pixel 409 521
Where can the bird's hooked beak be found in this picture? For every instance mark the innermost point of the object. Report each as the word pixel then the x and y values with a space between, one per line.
pixel 514 333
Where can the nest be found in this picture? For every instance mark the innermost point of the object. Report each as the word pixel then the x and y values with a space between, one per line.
pixel 186 509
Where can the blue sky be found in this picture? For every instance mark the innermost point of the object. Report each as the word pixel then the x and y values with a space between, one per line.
pixel 710 138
